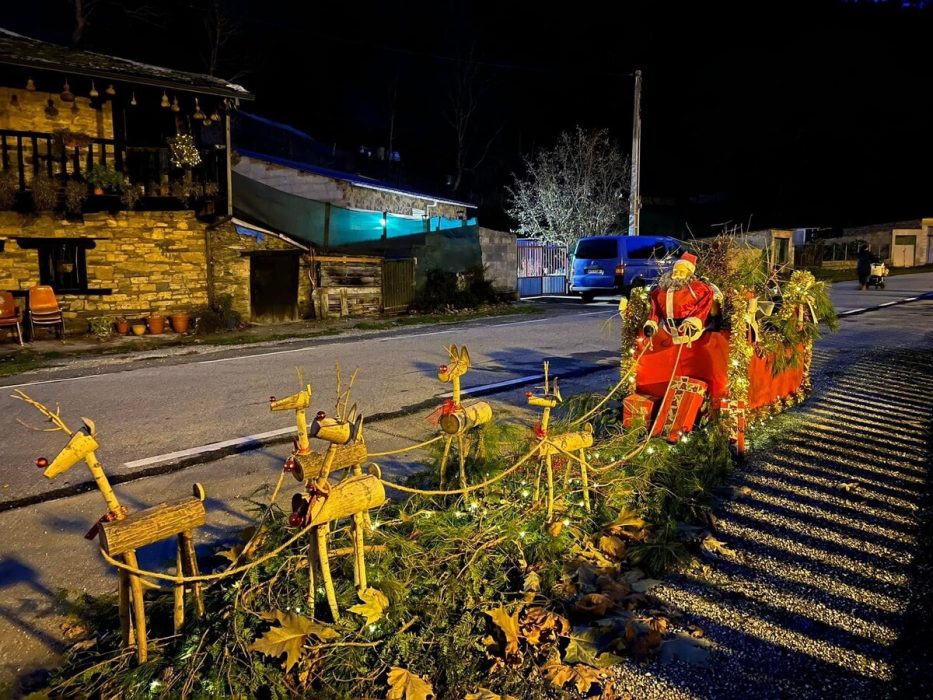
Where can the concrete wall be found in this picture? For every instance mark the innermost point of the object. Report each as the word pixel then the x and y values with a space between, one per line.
pixel 337 192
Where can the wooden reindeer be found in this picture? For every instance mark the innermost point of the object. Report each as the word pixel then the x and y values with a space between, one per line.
pixel 121 535
pixel 323 502
pixel 456 419
pixel 566 443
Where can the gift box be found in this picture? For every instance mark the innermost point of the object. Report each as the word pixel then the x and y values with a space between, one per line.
pixel 733 415
pixel 637 409
pixel 680 408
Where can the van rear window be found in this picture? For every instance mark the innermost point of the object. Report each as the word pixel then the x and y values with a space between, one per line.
pixel 597 248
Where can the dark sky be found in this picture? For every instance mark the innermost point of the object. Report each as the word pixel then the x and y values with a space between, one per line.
pixel 785 114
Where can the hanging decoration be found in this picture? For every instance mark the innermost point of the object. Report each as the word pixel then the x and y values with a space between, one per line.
pixel 175 105
pixel 198 114
pixel 14 100
pixel 184 151
pixel 30 85
pixel 133 100
pixel 165 102
pixel 215 115
pixel 111 90
pixel 67 95
pixel 93 94
pixel 50 109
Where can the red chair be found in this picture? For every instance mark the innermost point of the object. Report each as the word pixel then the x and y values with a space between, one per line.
pixel 10 315
pixel 44 311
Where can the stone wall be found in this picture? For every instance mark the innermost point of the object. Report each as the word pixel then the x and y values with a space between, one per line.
pixel 29 113
pixel 377 200
pixel 231 264
pixel 149 261
pixel 500 258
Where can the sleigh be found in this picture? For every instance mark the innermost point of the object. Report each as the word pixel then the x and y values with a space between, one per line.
pixel 677 386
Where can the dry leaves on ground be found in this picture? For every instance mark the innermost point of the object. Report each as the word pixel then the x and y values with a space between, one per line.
pixel 405 685
pixel 373 605
pixel 290 637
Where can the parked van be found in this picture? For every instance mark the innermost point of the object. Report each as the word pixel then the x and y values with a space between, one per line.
pixel 614 264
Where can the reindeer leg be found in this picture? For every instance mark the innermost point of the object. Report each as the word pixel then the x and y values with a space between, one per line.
pixel 537 493
pixel 124 607
pixel 321 533
pixel 359 560
pixel 139 610
pixel 444 458
pixel 550 487
pixel 312 555
pixel 586 480
pixel 190 560
pixel 462 455
pixel 179 591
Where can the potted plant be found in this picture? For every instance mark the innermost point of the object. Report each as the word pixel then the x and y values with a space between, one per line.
pixel 180 321
pixel 123 326
pixel 9 186
pixel 156 323
pixel 44 192
pixel 106 179
pixel 75 194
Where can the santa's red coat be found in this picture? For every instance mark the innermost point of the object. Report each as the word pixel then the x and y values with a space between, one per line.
pixel 695 299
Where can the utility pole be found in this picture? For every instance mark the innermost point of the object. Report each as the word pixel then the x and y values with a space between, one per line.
pixel 634 207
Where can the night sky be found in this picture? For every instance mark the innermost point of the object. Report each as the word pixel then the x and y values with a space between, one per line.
pixel 814 114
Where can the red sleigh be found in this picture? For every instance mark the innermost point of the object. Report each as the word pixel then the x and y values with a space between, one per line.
pixel 702 372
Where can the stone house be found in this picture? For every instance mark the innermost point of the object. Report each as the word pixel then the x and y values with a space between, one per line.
pixel 115 190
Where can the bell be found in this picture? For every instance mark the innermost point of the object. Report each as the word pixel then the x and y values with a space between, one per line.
pixel 207 121
pixel 175 106
pixel 67 95
pixel 93 94
pixel 165 102
pixel 198 114
pixel 111 90
pixel 133 100
pixel 215 115
pixel 31 85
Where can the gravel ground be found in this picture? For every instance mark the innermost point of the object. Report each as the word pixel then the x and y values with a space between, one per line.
pixel 826 595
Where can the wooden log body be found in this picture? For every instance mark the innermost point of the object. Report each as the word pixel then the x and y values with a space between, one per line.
pixel 294 402
pixel 312 464
pixel 353 495
pixel 568 442
pixel 466 417
pixel 151 525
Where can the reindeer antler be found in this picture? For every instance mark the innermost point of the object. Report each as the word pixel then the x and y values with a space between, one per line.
pixel 53 416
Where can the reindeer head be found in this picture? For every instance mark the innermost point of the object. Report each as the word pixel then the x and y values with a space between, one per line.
pixel 81 444
pixel 458 366
pixel 338 431
pixel 295 402
pixel 551 396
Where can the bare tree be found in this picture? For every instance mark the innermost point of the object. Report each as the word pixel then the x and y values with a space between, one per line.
pixel 83 9
pixel 221 24
pixel 578 188
pixel 463 100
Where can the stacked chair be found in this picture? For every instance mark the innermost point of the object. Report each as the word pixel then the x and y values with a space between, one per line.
pixel 45 311
pixel 10 315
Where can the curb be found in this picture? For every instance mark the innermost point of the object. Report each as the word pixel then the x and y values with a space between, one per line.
pixel 896 302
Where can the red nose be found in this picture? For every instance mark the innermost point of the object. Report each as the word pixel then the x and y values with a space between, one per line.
pixel 442 369
pixel 271 399
pixel 295 520
pixel 529 394
pixel 320 415
pixel 42 462
pixel 289 465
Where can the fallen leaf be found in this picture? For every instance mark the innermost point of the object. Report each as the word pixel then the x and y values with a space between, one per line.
pixel 405 685
pixel 612 546
pixel 594 604
pixel 373 605
pixel 564 588
pixel 486 694
pixel 555 528
pixel 715 547
pixel 581 675
pixel 539 625
pixel 589 645
pixel 851 486
pixel 509 626
pixel 231 554
pixel 644 585
pixel 627 524
pixel 685 648
pixel 290 637
pixel 532 583
pixel 616 590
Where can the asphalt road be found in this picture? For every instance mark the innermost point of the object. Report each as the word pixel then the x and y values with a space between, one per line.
pixel 42 551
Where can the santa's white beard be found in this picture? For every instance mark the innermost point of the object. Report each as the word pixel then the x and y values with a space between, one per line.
pixel 666 281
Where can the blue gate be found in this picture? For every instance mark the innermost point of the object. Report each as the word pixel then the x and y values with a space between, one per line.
pixel 542 268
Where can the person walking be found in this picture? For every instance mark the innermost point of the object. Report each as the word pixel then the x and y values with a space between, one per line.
pixel 863 268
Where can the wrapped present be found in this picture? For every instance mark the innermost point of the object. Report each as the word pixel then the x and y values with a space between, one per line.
pixel 681 406
pixel 733 414
pixel 637 408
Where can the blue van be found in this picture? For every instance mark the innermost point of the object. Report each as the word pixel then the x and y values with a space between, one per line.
pixel 616 263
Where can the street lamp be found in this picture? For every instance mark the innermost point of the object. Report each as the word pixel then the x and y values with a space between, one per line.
pixel 634 208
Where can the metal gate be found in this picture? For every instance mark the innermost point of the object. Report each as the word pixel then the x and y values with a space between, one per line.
pixel 398 284
pixel 542 268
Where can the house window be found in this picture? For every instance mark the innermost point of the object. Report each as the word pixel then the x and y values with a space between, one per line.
pixel 62 262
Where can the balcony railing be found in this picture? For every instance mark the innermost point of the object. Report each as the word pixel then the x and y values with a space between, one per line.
pixel 31 153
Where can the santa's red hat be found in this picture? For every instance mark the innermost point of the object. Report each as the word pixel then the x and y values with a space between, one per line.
pixel 688 259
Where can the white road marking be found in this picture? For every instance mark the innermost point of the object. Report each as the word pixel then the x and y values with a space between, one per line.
pixel 210 447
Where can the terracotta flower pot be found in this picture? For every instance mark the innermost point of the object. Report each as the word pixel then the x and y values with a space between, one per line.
pixel 156 323
pixel 122 326
pixel 180 322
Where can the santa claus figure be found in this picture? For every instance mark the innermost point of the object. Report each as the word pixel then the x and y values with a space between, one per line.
pixel 681 303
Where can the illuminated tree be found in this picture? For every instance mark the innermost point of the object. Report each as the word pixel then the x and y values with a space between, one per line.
pixel 580 187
